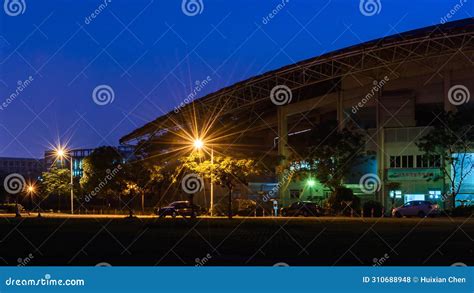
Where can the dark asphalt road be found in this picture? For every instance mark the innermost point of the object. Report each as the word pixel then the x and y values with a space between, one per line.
pixel 242 241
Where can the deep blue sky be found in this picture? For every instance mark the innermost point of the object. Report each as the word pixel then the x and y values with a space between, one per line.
pixel 154 63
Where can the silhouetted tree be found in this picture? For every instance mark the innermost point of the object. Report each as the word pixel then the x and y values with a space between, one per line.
pixel 450 142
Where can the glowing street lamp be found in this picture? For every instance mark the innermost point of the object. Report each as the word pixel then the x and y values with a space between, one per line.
pixel 61 153
pixel 310 182
pixel 199 144
pixel 31 190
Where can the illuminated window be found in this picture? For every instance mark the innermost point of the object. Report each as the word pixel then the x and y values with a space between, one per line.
pixel 434 194
pixel 395 194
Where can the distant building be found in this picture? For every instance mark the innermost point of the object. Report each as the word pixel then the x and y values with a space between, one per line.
pixel 27 167
pixel 78 156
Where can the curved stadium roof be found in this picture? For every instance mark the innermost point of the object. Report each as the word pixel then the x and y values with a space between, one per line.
pixel 434 41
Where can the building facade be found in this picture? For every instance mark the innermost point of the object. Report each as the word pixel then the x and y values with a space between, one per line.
pixel 392 88
pixel 28 167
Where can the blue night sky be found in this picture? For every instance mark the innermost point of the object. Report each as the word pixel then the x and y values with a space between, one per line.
pixel 151 54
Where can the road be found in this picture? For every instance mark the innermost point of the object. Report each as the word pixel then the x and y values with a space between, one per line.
pixel 59 239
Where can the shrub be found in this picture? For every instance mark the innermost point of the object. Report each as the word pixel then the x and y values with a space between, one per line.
pixel 463 211
pixel 240 207
pixel 375 205
pixel 339 197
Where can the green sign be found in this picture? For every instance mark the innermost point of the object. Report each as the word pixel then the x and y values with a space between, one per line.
pixel 413 174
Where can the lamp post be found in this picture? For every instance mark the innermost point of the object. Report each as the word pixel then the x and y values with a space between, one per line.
pixel 31 190
pixel 199 144
pixel 212 183
pixel 62 153
pixel 310 183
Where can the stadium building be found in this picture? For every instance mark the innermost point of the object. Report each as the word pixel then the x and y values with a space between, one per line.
pixel 393 88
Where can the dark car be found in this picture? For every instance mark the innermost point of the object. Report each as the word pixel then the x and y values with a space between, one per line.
pixel 10 208
pixel 179 208
pixel 302 208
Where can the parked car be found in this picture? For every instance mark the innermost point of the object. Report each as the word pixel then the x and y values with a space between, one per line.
pixel 179 208
pixel 420 208
pixel 302 208
pixel 10 208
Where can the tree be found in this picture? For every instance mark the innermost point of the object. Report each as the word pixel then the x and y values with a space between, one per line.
pixel 343 201
pixel 140 177
pixel 102 174
pixel 449 143
pixel 225 171
pixel 329 155
pixel 56 181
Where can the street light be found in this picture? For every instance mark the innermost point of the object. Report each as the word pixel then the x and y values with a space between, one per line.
pixel 199 144
pixel 61 153
pixel 311 183
pixel 31 190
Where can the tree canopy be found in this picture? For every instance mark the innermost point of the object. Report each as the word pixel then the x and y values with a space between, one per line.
pixel 451 142
pixel 224 170
pixel 328 155
pixel 101 173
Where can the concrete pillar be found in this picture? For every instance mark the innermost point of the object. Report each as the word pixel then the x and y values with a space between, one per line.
pixel 283 151
pixel 283 113
pixel 380 196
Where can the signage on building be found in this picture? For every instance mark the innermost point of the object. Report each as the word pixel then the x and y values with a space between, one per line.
pixel 414 174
